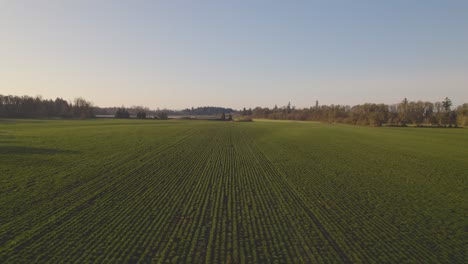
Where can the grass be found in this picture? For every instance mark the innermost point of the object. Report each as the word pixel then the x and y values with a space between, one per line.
pixel 203 191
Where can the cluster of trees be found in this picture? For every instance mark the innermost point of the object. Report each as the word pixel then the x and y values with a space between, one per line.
pixel 122 113
pixel 162 115
pixel 34 107
pixel 462 115
pixel 248 112
pixel 133 110
pixel 140 112
pixel 141 115
pixel 205 110
pixel 402 114
pixel 223 117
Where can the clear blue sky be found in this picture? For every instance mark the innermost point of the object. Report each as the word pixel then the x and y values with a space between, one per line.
pixel 179 54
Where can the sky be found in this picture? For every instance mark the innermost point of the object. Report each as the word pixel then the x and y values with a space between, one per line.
pixel 178 54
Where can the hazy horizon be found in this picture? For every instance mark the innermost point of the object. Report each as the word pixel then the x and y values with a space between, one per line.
pixel 178 54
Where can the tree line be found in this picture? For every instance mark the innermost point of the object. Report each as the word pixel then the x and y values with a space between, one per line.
pixel 132 111
pixel 419 113
pixel 123 112
pixel 143 112
pixel 205 110
pixel 33 107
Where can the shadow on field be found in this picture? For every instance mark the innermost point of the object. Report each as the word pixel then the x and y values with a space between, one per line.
pixel 5 138
pixel 21 150
pixel 6 141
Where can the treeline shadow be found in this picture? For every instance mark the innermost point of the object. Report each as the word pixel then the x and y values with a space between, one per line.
pixel 23 150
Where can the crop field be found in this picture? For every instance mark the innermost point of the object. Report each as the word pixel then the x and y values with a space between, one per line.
pixel 178 191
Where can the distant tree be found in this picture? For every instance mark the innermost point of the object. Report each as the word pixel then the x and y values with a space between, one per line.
pixel 403 112
pixel 62 108
pixel 428 112
pixel 448 117
pixel 452 118
pixel 462 115
pixel 416 111
pixel 229 117
pixel 141 115
pixel 162 115
pixel 392 117
pixel 223 116
pixel 205 110
pixel 122 113
pixel 438 113
pixel 244 112
pixel 377 114
pixel 447 104
pixel 288 108
pixel 82 108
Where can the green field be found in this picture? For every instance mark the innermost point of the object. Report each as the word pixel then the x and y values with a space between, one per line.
pixel 205 191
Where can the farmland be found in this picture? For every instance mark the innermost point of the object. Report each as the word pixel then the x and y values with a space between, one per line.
pixel 203 191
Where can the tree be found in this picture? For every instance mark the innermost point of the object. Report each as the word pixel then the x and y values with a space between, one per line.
pixel 229 117
pixel 82 108
pixel 122 113
pixel 223 116
pixel 403 112
pixel 447 104
pixel 446 117
pixel 288 108
pixel 205 110
pixel 416 111
pixel 163 115
pixel 428 112
pixel 377 114
pixel 62 108
pixel 439 113
pixel 462 115
pixel 452 118
pixel 141 115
